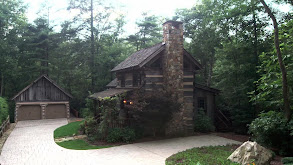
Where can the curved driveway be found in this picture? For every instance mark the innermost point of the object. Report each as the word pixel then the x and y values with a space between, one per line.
pixel 32 143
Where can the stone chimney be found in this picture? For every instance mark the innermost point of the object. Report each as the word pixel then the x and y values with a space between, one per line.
pixel 173 72
pixel 173 56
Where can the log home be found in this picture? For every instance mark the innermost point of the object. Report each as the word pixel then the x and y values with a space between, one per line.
pixel 169 65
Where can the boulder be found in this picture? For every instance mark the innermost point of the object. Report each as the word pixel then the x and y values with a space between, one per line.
pixel 251 152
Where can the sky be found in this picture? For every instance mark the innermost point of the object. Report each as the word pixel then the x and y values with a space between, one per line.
pixel 132 9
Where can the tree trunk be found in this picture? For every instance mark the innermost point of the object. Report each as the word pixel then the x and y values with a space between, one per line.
pixel 92 59
pixel 287 110
pixel 255 46
pixel 2 84
pixel 210 74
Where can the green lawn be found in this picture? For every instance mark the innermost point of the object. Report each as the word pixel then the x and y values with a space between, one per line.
pixel 79 145
pixel 212 155
pixel 67 130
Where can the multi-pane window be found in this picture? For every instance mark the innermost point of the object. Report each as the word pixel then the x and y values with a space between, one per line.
pixel 201 103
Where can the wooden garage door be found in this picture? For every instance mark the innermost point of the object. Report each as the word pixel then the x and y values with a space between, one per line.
pixel 56 111
pixel 29 112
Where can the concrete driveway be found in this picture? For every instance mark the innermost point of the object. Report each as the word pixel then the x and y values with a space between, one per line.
pixel 31 142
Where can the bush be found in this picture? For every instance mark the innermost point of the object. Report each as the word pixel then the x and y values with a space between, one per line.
pixel 203 123
pixel 126 135
pixel 4 110
pixel 91 128
pixel 287 160
pixel 153 111
pixel 271 130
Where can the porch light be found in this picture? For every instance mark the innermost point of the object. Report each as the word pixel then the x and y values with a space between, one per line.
pixel 130 102
pixel 124 101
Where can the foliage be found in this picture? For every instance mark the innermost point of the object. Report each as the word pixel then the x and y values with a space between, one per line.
pixel 269 86
pixel 79 145
pixel 287 160
pixel 91 128
pixel 4 109
pixel 153 111
pixel 149 32
pixel 227 37
pixel 97 127
pixel 70 129
pixel 90 108
pixel 126 135
pixel 204 156
pixel 270 129
pixel 203 123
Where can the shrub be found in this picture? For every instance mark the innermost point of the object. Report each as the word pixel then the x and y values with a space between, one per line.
pixel 97 127
pixel 91 128
pixel 4 110
pixel 203 123
pixel 287 160
pixel 153 111
pixel 126 135
pixel 271 130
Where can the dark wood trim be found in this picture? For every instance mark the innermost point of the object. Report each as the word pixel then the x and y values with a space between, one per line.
pixel 188 79
pixel 188 93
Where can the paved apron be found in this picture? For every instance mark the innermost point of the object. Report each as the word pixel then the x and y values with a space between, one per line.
pixel 31 143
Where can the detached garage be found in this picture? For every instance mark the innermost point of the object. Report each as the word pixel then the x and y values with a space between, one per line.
pixel 42 99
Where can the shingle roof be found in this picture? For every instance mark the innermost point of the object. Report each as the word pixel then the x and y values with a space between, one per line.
pixel 138 57
pixel 108 93
pixel 112 84
pixel 206 88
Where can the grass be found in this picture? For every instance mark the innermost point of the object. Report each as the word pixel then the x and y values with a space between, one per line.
pixel 212 155
pixel 67 130
pixel 79 145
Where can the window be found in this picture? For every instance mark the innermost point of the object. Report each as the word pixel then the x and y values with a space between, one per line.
pixel 122 81
pixel 202 103
pixel 135 79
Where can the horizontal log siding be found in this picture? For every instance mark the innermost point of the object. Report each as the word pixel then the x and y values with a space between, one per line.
pixel 153 80
pixel 188 84
pixel 128 79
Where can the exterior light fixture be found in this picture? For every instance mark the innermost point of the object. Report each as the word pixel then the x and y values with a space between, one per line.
pixel 130 102
pixel 124 101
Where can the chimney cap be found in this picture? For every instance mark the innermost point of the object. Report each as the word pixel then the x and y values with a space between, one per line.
pixel 174 23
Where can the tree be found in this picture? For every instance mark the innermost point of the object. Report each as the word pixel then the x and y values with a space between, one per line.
pixel 98 24
pixel 287 109
pixel 269 93
pixel 225 38
pixel 149 32
pixel 12 23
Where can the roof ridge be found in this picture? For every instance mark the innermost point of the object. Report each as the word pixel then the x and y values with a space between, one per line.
pixel 136 58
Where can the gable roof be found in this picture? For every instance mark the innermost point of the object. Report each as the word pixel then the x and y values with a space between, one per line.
pixel 206 88
pixel 140 56
pixel 143 56
pixel 47 78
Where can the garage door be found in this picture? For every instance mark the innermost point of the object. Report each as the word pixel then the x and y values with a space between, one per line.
pixel 56 111
pixel 29 112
